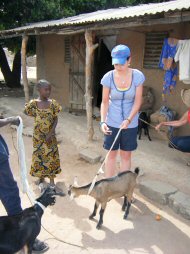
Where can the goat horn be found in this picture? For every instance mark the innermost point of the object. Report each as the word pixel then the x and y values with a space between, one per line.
pixel 75 182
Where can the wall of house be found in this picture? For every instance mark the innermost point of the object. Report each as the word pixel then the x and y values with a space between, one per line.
pixel 51 66
pixel 154 77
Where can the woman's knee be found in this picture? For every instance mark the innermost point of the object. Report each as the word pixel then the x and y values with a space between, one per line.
pixel 125 155
pixel 175 140
pixel 112 155
pixel 180 143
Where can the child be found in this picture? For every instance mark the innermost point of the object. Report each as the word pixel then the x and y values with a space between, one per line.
pixel 45 158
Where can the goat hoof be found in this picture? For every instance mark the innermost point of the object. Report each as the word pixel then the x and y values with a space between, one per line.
pixel 99 226
pixel 123 208
pixel 125 217
pixel 91 217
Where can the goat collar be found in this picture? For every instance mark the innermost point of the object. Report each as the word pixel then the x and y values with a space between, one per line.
pixel 40 205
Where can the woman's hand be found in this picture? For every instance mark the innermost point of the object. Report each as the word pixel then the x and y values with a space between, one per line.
pixel 125 124
pixel 105 129
pixel 157 127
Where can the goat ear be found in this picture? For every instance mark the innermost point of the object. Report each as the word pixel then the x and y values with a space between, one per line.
pixel 75 182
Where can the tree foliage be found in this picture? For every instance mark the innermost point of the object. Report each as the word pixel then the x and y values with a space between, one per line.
pixel 15 13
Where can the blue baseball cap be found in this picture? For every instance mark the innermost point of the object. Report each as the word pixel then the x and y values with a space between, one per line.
pixel 120 54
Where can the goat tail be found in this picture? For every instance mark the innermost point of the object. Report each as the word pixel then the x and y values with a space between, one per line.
pixel 137 170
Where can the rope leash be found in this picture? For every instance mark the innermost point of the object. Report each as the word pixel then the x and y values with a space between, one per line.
pixel 176 148
pixel 95 178
pixel 101 171
pixel 57 238
pixel 62 241
pixel 25 185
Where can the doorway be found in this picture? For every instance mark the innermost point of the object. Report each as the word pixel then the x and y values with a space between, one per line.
pixel 103 64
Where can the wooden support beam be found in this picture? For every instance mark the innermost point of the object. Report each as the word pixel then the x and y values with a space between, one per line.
pixel 24 67
pixel 90 48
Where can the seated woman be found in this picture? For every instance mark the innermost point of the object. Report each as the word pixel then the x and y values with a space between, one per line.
pixel 181 143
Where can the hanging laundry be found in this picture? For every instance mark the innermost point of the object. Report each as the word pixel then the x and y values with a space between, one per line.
pixel 183 56
pixel 167 63
pixel 168 53
pixel 170 79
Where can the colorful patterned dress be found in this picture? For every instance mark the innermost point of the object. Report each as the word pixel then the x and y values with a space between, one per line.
pixel 45 158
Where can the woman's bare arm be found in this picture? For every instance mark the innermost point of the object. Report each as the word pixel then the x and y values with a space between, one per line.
pixel 182 121
pixel 105 103
pixel 104 108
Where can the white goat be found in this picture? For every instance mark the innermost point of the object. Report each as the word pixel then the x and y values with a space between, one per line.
pixel 106 189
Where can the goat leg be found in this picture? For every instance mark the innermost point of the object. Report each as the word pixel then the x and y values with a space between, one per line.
pixel 124 203
pixel 127 210
pixel 95 210
pixel 148 135
pixel 140 132
pixel 24 250
pixel 100 222
pixel 30 246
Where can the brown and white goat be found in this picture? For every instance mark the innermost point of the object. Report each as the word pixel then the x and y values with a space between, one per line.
pixel 106 189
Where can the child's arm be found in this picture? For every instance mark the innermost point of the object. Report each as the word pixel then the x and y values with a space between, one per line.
pixel 56 109
pixel 30 108
pixel 52 131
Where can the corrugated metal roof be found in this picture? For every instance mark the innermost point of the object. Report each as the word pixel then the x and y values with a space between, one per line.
pixel 108 15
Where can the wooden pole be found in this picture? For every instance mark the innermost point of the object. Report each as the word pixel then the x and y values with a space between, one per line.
pixel 90 48
pixel 24 66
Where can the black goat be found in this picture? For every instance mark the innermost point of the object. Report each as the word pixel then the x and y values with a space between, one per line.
pixel 19 232
pixel 143 125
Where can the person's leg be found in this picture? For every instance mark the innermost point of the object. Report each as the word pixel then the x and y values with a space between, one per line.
pixel 128 143
pixel 181 143
pixel 110 164
pixel 52 182
pixel 9 192
pixel 125 157
pixel 58 190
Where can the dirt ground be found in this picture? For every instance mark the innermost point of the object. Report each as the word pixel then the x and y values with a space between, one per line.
pixel 68 219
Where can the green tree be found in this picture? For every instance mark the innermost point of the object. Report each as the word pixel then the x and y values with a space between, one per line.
pixel 21 12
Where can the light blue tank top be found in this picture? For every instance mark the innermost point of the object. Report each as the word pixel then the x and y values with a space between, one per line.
pixel 121 102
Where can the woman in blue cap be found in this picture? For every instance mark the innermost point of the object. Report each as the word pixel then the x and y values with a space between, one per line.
pixel 121 101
